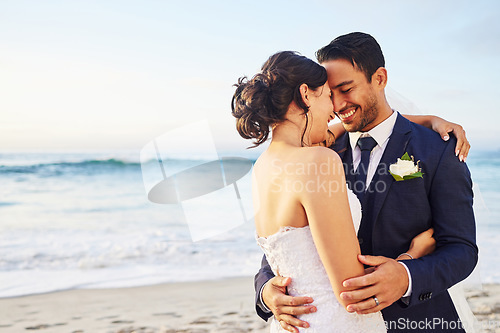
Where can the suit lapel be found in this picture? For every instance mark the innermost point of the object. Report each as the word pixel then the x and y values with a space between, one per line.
pixel 341 144
pixel 382 180
pixel 343 147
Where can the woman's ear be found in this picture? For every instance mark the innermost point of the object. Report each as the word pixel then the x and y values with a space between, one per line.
pixel 304 92
pixel 379 78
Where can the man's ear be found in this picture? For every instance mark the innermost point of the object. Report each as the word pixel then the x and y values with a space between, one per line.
pixel 379 78
pixel 304 93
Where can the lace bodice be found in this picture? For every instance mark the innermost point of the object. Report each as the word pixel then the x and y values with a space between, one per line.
pixel 291 252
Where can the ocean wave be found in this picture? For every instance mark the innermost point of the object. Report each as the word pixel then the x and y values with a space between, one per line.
pixel 88 166
pixel 61 167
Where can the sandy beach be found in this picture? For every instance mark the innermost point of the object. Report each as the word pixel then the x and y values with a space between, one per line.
pixel 191 307
pixel 485 305
pixel 194 307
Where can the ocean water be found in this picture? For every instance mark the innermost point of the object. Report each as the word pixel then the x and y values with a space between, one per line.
pixel 83 220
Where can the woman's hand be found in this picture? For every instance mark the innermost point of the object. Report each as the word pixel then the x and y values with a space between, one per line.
pixel 421 245
pixel 444 127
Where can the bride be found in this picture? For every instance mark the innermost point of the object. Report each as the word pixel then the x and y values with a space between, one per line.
pixel 305 216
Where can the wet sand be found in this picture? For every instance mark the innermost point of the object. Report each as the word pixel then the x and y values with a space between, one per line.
pixel 197 307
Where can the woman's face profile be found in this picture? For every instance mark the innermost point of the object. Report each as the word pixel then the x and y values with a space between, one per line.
pixel 320 112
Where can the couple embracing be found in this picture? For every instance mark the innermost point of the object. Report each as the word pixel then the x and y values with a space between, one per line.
pixel 351 245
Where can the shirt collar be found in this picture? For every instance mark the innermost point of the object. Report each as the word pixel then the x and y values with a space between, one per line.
pixel 380 133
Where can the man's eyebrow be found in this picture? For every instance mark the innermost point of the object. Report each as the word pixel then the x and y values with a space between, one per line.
pixel 343 84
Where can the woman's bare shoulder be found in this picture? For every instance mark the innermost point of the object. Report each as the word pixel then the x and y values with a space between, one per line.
pixel 319 155
pixel 317 164
pixel 301 162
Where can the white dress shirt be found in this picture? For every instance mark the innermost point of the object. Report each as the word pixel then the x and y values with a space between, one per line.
pixel 381 134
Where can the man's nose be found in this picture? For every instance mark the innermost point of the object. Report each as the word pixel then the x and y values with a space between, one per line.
pixel 338 102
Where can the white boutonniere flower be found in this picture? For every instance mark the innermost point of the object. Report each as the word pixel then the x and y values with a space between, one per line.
pixel 405 168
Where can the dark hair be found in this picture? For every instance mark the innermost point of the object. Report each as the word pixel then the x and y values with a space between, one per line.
pixel 263 100
pixel 361 49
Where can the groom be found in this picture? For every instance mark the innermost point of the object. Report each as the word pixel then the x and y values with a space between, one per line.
pixel 412 295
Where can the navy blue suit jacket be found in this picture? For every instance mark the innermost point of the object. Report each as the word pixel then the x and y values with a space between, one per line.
pixel 395 212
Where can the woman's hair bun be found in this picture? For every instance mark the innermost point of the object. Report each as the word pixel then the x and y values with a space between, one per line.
pixel 263 100
pixel 251 105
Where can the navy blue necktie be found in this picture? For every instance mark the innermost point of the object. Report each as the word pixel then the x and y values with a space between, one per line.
pixel 366 144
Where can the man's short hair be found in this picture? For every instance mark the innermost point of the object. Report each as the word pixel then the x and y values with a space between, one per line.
pixel 360 49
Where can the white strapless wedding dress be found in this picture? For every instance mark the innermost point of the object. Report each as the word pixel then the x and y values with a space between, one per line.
pixel 291 252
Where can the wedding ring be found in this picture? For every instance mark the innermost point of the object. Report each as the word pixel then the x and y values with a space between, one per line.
pixel 376 300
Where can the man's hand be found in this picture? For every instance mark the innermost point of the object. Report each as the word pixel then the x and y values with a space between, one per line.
pixel 285 307
pixel 388 282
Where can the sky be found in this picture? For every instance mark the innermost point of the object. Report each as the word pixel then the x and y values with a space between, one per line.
pixel 114 75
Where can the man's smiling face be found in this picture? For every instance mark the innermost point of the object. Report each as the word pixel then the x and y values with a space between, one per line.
pixel 354 98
